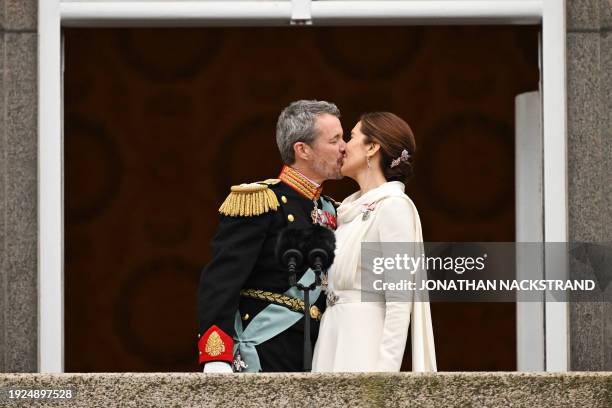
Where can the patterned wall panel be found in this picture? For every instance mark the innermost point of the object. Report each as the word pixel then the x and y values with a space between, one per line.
pixel 160 122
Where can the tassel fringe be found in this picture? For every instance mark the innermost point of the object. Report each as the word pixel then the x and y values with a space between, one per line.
pixel 248 200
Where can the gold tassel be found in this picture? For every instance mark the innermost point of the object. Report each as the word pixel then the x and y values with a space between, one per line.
pixel 247 200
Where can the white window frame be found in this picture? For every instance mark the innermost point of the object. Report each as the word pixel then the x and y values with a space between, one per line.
pixel 55 14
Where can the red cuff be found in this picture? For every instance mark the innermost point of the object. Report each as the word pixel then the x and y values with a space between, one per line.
pixel 216 345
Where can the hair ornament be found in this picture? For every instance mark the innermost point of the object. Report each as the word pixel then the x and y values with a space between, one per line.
pixel 402 158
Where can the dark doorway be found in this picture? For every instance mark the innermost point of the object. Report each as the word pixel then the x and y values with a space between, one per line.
pixel 159 123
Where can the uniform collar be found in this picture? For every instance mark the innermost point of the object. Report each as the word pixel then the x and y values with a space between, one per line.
pixel 300 183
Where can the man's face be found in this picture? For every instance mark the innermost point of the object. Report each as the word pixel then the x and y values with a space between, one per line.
pixel 328 147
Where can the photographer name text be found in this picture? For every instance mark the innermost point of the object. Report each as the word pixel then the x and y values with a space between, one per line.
pixel 485 285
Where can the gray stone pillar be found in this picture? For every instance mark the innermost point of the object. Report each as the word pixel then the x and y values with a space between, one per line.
pixel 589 86
pixel 18 186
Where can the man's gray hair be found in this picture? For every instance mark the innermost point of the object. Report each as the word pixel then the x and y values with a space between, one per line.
pixel 296 123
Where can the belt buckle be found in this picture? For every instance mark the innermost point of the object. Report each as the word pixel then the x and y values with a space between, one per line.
pixel 332 298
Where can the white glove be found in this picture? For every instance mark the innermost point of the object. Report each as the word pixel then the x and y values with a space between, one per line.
pixel 218 367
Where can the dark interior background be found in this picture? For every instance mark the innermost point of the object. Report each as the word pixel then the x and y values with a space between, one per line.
pixel 159 123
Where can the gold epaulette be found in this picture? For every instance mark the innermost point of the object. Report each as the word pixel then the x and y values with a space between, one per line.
pixel 248 200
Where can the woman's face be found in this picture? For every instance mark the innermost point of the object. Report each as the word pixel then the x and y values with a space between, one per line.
pixel 355 153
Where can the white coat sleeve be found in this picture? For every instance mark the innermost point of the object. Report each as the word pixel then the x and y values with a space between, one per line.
pixel 398 222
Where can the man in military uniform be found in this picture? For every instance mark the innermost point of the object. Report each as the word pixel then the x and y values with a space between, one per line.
pixel 250 319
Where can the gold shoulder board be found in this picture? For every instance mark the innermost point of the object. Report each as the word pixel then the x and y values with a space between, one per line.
pixel 248 200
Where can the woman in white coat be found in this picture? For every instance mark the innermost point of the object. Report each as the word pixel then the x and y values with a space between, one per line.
pixel 370 336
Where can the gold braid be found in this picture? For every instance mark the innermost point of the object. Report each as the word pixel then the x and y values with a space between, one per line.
pixel 294 304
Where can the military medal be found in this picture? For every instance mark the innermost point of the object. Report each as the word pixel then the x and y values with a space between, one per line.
pixel 331 298
pixel 324 281
pixel 316 214
pixel 239 365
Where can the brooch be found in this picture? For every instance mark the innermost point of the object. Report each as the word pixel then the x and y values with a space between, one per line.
pixel 366 210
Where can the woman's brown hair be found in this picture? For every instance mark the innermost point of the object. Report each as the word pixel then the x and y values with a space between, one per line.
pixel 393 135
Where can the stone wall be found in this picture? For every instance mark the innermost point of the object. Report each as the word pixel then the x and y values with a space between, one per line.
pixel 18 186
pixel 325 390
pixel 589 88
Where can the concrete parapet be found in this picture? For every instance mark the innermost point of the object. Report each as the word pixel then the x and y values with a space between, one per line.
pixel 576 389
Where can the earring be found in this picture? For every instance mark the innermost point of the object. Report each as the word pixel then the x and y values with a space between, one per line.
pixel 368 161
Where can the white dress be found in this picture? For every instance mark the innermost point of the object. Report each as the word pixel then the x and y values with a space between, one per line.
pixel 356 336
